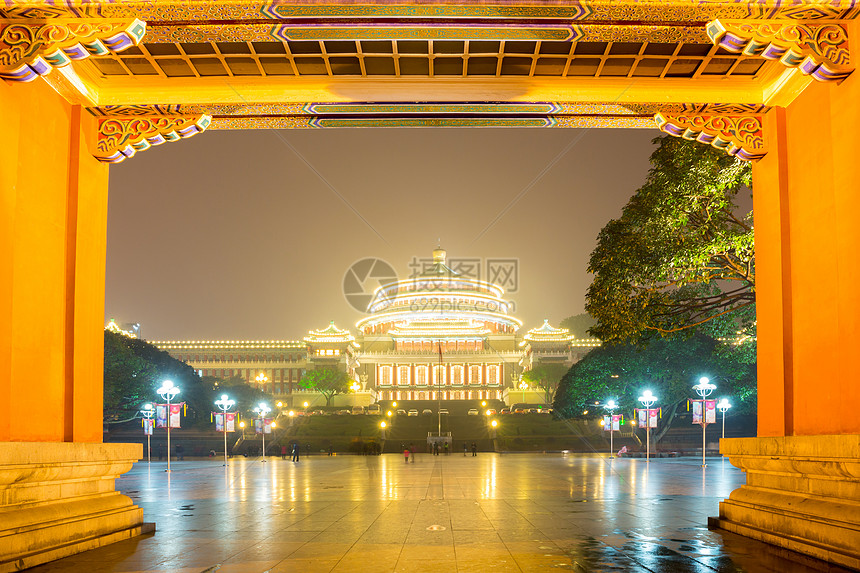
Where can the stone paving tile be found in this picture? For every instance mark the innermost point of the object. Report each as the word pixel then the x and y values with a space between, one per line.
pixel 511 513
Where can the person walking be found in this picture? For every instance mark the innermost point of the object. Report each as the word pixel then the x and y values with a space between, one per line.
pixel 296 450
pixel 406 455
pixel 412 452
pixel 180 452
pixel 474 449
pixel 283 451
pixel 330 450
pixel 446 449
pixel 465 448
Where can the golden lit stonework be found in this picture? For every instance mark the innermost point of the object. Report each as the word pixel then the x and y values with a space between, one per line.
pixel 817 50
pixel 740 136
pixel 122 137
pixel 29 50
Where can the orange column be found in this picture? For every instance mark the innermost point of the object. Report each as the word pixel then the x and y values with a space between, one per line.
pixel 807 210
pixel 53 226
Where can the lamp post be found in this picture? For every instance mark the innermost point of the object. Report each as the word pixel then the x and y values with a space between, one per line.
pixel 493 424
pixel 383 425
pixel 262 410
pixel 611 407
pixel 224 404
pixel 148 412
pixel 167 392
pixel 722 406
pixel 524 386
pixel 704 389
pixel 261 380
pixel 648 399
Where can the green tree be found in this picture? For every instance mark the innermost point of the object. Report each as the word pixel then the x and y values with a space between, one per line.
pixel 546 377
pixel 134 369
pixel 579 324
pixel 128 379
pixel 326 381
pixel 668 366
pixel 682 253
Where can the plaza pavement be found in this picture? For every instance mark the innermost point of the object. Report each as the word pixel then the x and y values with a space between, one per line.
pixel 512 512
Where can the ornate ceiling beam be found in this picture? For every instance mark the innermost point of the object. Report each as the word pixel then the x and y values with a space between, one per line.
pixel 737 135
pixel 817 50
pixel 31 49
pixel 122 137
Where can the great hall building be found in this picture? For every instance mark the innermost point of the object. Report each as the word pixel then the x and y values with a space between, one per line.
pixel 437 336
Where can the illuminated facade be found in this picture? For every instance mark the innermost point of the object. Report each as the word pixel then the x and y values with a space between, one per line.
pixel 438 336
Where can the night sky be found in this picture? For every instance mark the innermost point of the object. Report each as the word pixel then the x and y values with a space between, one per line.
pixel 231 235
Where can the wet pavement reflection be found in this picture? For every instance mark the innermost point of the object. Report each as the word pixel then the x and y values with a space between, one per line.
pixel 513 512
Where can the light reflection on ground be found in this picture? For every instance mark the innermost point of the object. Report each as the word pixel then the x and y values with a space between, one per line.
pixel 514 512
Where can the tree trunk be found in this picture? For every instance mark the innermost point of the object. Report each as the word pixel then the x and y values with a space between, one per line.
pixel 671 418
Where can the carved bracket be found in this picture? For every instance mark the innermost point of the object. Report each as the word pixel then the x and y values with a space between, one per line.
pixel 740 136
pixel 121 137
pixel 817 50
pixel 29 50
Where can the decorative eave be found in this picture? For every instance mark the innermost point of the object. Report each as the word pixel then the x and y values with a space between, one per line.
pixel 547 334
pixel 819 50
pixel 439 330
pixel 112 326
pixel 122 137
pixel 331 334
pixel 29 49
pixel 737 135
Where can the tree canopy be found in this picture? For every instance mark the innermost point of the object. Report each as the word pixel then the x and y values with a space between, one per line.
pixel 682 254
pixel 668 366
pixel 134 369
pixel 326 381
pixel 579 324
pixel 545 376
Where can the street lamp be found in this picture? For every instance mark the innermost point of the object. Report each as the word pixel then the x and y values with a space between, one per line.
pixel 262 410
pixel 611 406
pixel 383 426
pixel 148 412
pixel 648 399
pixel 224 404
pixel 524 386
pixel 493 424
pixel 305 405
pixel 704 389
pixel 722 406
pixel 167 392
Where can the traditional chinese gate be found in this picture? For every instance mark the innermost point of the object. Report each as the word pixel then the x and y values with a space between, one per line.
pixel 89 83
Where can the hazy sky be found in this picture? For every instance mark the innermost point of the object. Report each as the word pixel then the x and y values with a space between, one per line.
pixel 231 235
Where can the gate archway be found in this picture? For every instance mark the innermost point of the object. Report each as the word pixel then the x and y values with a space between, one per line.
pixel 91 83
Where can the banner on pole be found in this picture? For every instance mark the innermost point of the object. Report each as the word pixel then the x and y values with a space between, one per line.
pixel 231 422
pixel 607 423
pixel 697 411
pixel 175 415
pixel 219 422
pixel 267 426
pixel 161 415
pixel 616 422
pixel 147 426
pixel 710 411
pixel 653 414
pixel 642 417
pixel 258 426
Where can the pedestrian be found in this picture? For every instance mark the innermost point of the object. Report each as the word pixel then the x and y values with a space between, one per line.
pixel 474 449
pixel 283 451
pixel 160 453
pixel 465 448
pixel 180 452
pixel 296 450
pixel 446 449
pixel 330 450
pixel 412 452
pixel 406 455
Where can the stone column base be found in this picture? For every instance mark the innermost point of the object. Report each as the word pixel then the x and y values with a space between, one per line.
pixel 802 493
pixel 58 498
